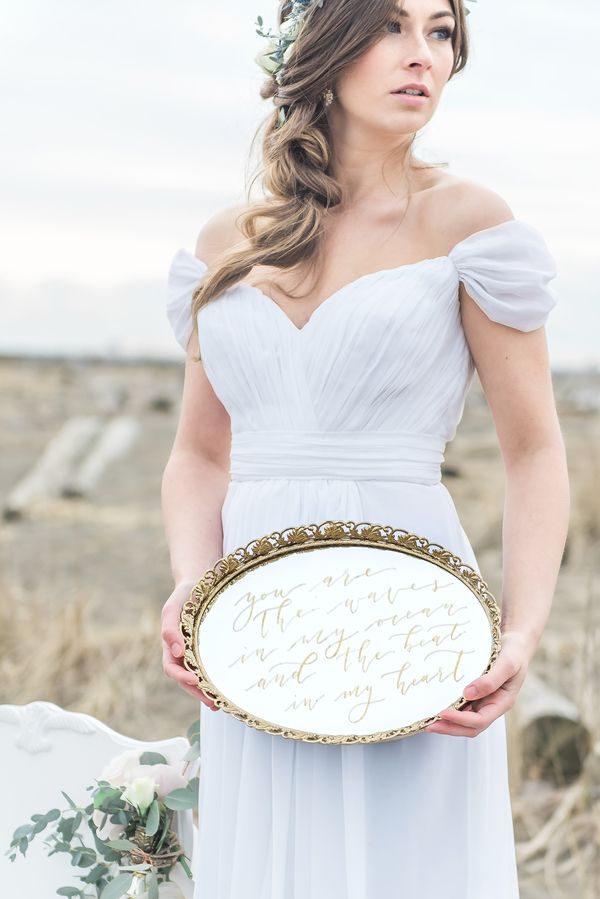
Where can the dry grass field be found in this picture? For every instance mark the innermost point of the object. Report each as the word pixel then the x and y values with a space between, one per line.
pixel 84 576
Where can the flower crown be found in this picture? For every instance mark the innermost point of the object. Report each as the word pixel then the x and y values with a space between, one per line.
pixel 276 55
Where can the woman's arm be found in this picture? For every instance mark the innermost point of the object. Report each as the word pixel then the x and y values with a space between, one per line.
pixel 193 490
pixel 535 524
pixel 195 482
pixel 514 371
pixel 515 375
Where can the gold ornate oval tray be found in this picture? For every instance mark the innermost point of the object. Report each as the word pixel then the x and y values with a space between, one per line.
pixel 339 632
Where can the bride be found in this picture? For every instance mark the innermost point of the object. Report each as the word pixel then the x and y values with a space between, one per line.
pixel 329 328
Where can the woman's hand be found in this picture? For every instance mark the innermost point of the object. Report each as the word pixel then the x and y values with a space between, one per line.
pixel 496 691
pixel 173 644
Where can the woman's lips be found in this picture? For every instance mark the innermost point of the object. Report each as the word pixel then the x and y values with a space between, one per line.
pixel 411 99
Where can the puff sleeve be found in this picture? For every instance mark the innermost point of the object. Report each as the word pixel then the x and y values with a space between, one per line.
pixel 507 271
pixel 185 273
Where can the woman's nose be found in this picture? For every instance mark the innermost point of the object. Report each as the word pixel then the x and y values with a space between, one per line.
pixel 417 51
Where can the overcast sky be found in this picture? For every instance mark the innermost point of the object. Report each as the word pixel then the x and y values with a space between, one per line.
pixel 127 124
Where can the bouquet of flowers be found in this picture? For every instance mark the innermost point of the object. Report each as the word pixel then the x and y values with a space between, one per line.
pixel 132 805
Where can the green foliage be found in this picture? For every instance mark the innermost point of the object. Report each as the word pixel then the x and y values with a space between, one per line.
pixel 117 886
pixel 152 758
pixel 193 731
pixel 153 818
pixel 121 844
pixel 100 865
pixel 183 798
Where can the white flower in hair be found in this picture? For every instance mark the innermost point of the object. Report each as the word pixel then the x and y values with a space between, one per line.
pixel 266 59
pixel 290 28
pixel 276 55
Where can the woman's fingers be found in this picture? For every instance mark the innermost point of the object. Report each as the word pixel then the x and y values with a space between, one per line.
pixel 510 665
pixel 453 730
pixel 469 722
pixel 170 618
pixel 184 678
pixel 492 694
pixel 173 645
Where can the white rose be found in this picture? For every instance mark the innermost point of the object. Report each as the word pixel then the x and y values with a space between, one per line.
pixel 165 777
pixel 121 769
pixel 140 793
pixel 264 60
pixel 287 53
pixel 109 831
pixel 290 28
pixel 124 768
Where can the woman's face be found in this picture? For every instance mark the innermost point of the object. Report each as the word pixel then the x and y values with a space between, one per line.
pixel 415 47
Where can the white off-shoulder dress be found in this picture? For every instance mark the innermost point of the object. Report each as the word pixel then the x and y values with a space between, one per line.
pixel 348 418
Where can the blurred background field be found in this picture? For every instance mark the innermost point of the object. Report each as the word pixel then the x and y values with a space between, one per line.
pixel 85 571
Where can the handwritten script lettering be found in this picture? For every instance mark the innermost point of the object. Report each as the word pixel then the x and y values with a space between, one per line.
pixel 348 640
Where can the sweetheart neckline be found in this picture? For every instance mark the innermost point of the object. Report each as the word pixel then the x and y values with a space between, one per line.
pixel 240 285
pixel 382 271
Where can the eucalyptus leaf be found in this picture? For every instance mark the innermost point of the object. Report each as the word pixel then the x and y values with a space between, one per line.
pixel 164 833
pixel 100 797
pixel 61 846
pixel 69 800
pixel 152 758
pixel 111 855
pixel 83 858
pixel 68 826
pixel 153 819
pixel 193 731
pixel 122 844
pixel 116 888
pixel 180 799
pixel 22 831
pixel 68 891
pixel 96 873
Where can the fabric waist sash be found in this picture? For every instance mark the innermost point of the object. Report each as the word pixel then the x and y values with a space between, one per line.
pixel 346 455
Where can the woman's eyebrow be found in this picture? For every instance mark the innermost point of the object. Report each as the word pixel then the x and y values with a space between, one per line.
pixel 436 15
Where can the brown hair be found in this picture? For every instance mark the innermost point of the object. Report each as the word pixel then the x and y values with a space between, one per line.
pixel 294 170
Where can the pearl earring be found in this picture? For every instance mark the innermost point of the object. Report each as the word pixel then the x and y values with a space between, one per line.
pixel 328 96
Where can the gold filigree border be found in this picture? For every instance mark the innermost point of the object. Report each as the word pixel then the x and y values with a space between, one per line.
pixel 306 537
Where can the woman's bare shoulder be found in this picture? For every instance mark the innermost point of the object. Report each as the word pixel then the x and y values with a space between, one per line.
pixel 458 207
pixel 221 232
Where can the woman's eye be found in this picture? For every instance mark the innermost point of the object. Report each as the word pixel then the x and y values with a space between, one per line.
pixel 446 32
